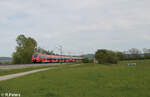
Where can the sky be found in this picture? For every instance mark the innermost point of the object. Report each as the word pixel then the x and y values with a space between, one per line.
pixel 80 26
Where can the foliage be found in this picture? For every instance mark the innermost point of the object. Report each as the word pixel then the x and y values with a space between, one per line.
pixel 120 55
pixel 43 51
pixel 0 62
pixel 89 56
pixel 147 56
pixel 26 46
pixel 136 54
pixel 133 54
pixel 106 56
pixel 85 60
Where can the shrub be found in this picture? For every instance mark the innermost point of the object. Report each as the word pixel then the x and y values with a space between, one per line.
pixel 121 56
pixel 86 60
pixel 106 56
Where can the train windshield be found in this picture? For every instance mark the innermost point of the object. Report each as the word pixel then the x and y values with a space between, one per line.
pixel 35 55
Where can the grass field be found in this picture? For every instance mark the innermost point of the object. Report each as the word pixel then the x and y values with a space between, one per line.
pixel 24 69
pixel 12 71
pixel 86 80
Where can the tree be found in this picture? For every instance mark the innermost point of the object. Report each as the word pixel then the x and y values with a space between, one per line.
pixel 87 60
pixel 43 51
pixel 145 50
pixel 26 46
pixel 135 53
pixel 146 53
pixel 106 56
pixel 120 55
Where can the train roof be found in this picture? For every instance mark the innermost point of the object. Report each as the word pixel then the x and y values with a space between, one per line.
pixel 58 56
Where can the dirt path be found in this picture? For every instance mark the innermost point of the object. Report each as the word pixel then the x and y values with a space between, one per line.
pixel 25 65
pixel 6 77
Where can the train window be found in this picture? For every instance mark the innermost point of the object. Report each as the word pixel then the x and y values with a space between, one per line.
pixel 35 55
pixel 49 58
pixel 42 57
pixel 45 57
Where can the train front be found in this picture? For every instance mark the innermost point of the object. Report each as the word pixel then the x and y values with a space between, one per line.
pixel 35 58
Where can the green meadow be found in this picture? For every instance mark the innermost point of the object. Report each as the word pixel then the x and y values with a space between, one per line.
pixel 18 70
pixel 85 80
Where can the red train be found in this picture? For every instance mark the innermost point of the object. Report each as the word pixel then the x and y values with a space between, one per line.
pixel 44 58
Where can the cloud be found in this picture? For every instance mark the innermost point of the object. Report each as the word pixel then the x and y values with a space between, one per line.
pixel 78 25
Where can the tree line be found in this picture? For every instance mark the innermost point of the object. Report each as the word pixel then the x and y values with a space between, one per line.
pixel 136 54
pixel 27 46
pixel 108 56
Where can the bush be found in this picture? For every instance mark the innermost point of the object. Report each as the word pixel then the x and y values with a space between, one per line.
pixel 86 60
pixel 121 56
pixel 106 56
pixel 0 62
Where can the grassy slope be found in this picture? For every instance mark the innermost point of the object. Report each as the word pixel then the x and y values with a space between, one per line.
pixel 85 81
pixel 139 62
pixel 12 71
